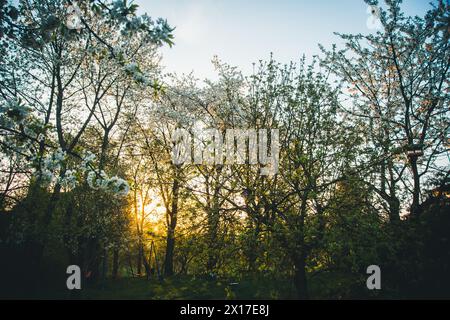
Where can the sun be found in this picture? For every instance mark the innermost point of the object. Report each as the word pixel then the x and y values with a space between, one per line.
pixel 154 210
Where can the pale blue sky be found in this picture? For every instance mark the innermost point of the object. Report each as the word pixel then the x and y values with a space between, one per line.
pixel 243 31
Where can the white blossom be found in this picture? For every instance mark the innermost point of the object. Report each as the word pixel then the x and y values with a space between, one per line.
pixel 69 180
pixel 101 181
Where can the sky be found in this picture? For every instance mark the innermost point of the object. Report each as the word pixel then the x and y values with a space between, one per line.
pixel 241 32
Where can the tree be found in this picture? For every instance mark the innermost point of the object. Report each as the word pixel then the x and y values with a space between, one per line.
pixel 49 68
pixel 398 81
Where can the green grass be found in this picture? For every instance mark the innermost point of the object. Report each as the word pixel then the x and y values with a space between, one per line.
pixel 189 288
pixel 140 288
pixel 179 287
pixel 323 286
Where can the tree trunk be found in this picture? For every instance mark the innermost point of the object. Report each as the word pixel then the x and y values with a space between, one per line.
pixel 168 261
pixel 300 253
pixel 394 210
pixel 213 223
pixel 300 276
pixel 115 267
pixel 416 190
pixel 172 223
pixel 148 272
pixel 104 266
pixel 139 259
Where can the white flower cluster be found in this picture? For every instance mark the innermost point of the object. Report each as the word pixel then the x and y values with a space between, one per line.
pixel 157 31
pixel 73 20
pixel 133 70
pixel 101 181
pixel 373 21
pixel 69 180
pixel 13 112
pixel 17 118
pixel 161 29
pixel 88 159
pixel 50 166
pixel 181 118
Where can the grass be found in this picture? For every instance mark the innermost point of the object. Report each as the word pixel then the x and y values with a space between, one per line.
pixel 189 288
pixel 324 286
pixel 179 287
